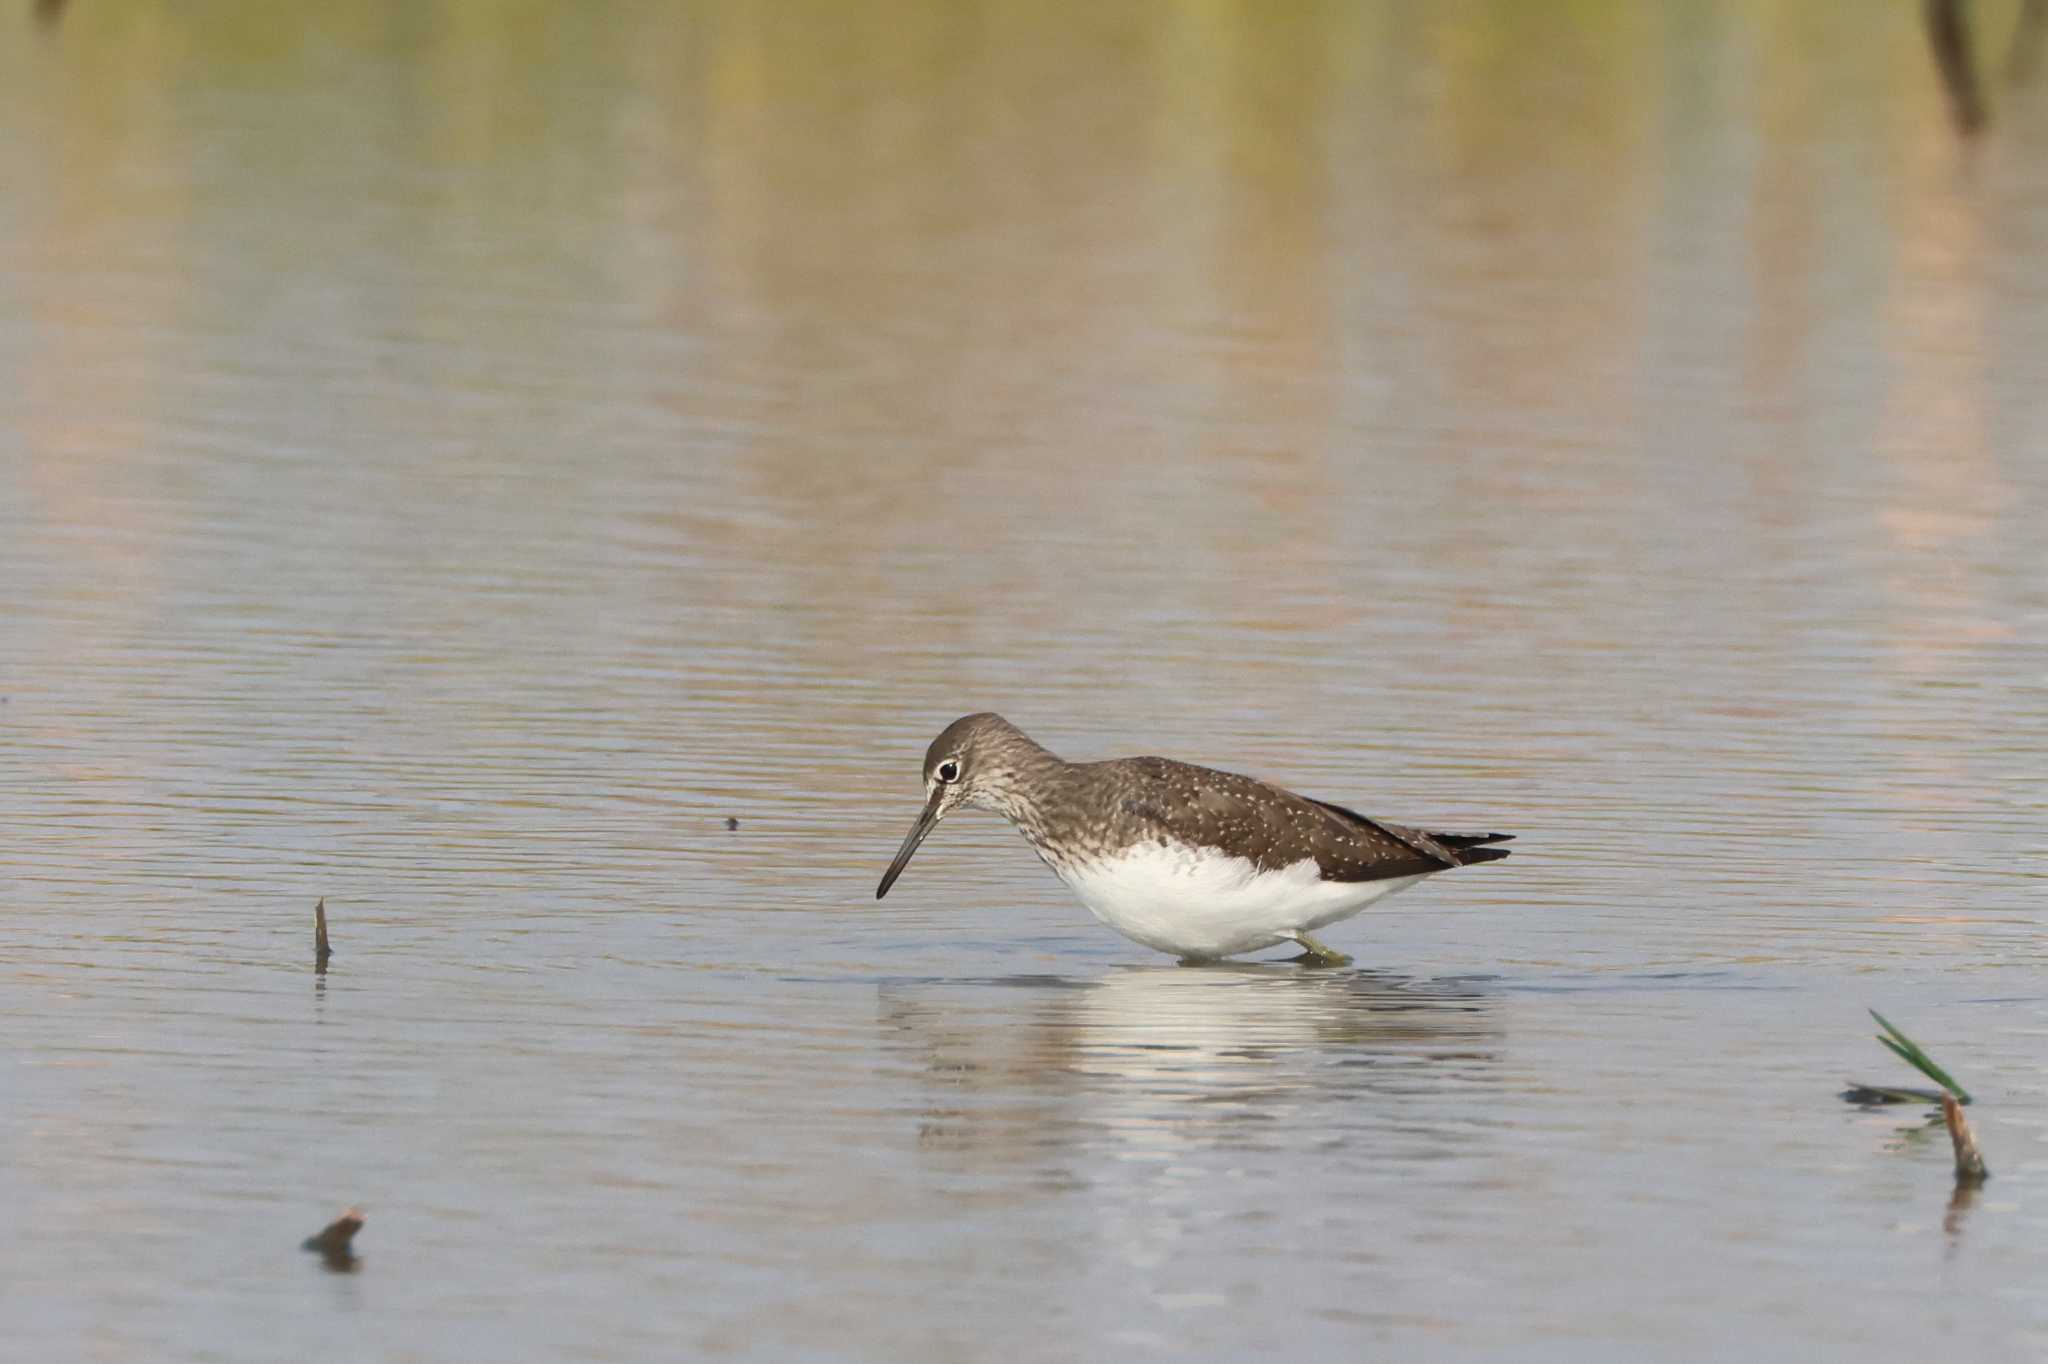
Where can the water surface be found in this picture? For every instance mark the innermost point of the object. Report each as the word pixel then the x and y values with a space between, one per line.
pixel 455 457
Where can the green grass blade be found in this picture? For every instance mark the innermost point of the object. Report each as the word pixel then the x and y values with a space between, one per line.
pixel 1907 1050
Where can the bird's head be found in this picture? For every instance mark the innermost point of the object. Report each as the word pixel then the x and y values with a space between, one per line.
pixel 974 762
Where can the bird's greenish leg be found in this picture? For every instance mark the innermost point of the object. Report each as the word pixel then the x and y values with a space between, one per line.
pixel 1314 953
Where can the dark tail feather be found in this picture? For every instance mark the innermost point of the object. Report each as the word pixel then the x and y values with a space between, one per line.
pixel 1469 840
pixel 1469 848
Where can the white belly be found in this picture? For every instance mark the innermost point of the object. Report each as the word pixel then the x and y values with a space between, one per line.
pixel 1196 902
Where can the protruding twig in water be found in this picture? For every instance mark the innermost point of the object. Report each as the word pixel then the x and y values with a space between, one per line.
pixel 1948 32
pixel 321 951
pixel 732 822
pixel 1970 1168
pixel 334 1240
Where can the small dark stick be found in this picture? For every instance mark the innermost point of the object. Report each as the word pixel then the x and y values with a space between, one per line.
pixel 731 822
pixel 333 1242
pixel 321 951
pixel 1970 1168
pixel 1948 33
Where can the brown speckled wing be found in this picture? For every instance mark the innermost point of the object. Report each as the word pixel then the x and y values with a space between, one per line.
pixel 1160 798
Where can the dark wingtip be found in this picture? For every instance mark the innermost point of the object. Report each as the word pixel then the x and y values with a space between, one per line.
pixel 1468 856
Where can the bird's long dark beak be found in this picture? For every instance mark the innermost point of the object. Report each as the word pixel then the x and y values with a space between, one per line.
pixel 918 830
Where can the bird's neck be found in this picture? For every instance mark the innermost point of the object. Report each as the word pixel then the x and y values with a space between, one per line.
pixel 1039 782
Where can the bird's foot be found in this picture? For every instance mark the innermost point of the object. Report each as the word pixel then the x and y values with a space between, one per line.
pixel 1314 953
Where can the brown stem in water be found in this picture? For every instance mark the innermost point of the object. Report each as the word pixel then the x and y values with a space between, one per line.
pixel 1970 1168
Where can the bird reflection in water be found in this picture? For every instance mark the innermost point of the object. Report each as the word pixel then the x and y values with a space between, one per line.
pixel 1166 1058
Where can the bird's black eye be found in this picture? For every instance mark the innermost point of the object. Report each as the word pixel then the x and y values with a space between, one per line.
pixel 948 771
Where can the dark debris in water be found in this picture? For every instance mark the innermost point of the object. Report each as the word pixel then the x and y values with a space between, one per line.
pixel 1871 1096
pixel 321 951
pixel 335 1241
